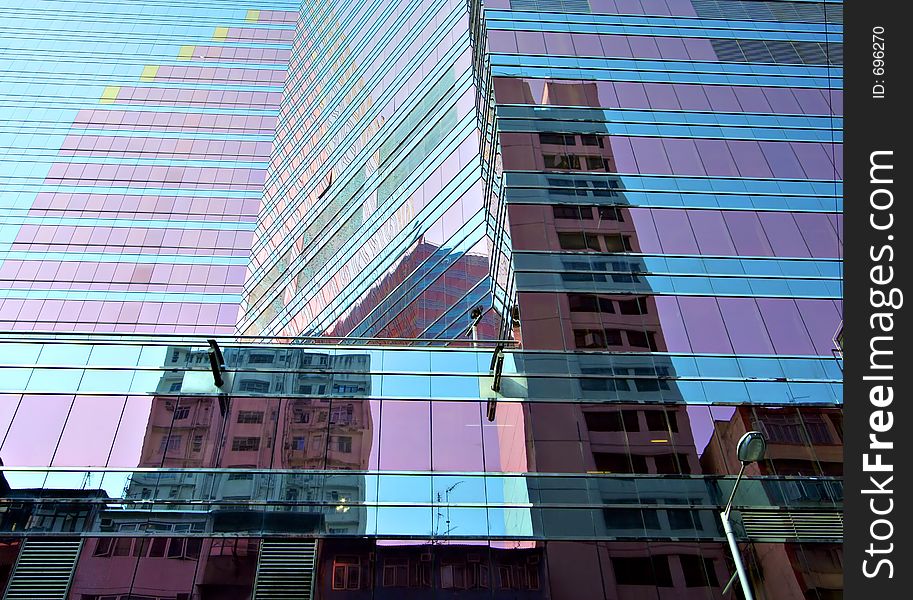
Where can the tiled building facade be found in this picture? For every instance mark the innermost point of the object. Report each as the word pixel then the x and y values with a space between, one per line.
pixel 638 204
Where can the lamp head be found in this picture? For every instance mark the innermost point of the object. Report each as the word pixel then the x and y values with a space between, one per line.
pixel 752 447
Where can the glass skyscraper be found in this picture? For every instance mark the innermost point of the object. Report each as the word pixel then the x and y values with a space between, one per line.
pixel 419 299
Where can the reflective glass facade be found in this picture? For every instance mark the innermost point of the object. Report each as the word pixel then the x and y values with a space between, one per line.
pixel 496 288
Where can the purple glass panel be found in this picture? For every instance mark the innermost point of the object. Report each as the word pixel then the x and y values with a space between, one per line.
pixel 821 318
pixel 722 98
pixel 615 46
pixel 752 99
pixel 672 48
pixel 644 47
pixel 502 41
pixel 815 161
pixel 716 158
pixel 783 234
pixel 683 156
pixel 704 324
pixel 405 436
pixel 745 326
pixel 692 97
pixel 747 233
pixel 785 326
pixel 700 49
pixel 711 232
pixel 559 43
pixel 782 100
pixel 32 438
pixel 819 235
pixel 623 153
pixel 749 159
pixel 531 42
pixel 650 154
pixel 647 237
pixel 661 96
pixel 89 432
pixel 631 95
pixel 782 160
pixel 673 327
pixel 674 233
pixel 456 439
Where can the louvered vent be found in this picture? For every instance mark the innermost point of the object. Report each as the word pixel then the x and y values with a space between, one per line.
pixel 285 570
pixel 44 570
pixel 778 526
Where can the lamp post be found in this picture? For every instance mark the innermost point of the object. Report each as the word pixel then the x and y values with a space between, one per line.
pixel 751 448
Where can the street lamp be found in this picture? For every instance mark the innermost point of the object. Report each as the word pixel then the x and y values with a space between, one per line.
pixel 752 447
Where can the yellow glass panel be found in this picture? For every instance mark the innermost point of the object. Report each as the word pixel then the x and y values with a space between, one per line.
pixel 253 16
pixel 186 52
pixel 110 94
pixel 149 73
pixel 220 34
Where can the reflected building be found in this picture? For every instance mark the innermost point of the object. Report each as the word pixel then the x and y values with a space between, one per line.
pixel 498 286
pixel 805 442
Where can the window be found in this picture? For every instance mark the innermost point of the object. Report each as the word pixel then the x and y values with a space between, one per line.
pixel 561 161
pixel 648 570
pixel 571 211
pixel 684 519
pixel 345 389
pixel 788 428
pixel 175 387
pixel 342 415
pixel 170 442
pixel 578 241
pixel 453 576
pixel 250 416
pixel 592 140
pixel 612 420
pixel 301 416
pixel 660 420
pixel 630 518
pixel 613 337
pixel 103 547
pixel 699 571
pixel 634 306
pixel 617 243
pixel 197 444
pixel 346 573
pixel 254 385
pixel 583 303
pixel 560 139
pixel 589 338
pixel 396 572
pixel 344 444
pixel 122 546
pixel 619 462
pixel 611 213
pixel 299 443
pixel 261 359
pixel 157 547
pixel 590 303
pixel 672 464
pixel 181 413
pixel 641 339
pixel 245 444
pixel 817 430
pixel 421 572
